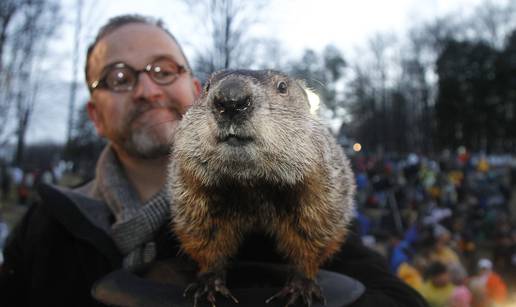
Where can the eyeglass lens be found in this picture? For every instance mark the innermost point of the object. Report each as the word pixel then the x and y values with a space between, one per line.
pixel 124 78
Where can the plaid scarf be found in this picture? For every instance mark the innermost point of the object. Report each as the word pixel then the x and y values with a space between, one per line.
pixel 136 224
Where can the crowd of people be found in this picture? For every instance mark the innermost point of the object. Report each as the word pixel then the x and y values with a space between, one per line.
pixel 18 184
pixel 444 223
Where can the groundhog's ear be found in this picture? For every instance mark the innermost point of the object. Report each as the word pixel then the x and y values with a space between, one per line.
pixel 311 96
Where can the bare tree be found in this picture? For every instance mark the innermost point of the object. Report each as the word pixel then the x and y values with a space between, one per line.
pixel 493 22
pixel 323 72
pixel 9 9
pixel 385 102
pixel 86 18
pixel 380 47
pixel 24 44
pixel 361 98
pixel 229 44
pixel 415 86
pixel 75 68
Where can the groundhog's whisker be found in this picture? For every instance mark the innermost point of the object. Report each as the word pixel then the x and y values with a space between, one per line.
pixel 322 84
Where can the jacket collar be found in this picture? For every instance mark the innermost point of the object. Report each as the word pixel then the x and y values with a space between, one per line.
pixel 85 217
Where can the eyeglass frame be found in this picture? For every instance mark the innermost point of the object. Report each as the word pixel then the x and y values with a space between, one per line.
pixel 102 84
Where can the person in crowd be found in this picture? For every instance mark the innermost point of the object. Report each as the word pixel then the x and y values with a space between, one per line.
pixel 441 251
pixel 461 296
pixel 489 289
pixel 437 288
pixel 411 271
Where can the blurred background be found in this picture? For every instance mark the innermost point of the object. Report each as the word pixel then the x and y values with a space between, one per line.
pixel 420 94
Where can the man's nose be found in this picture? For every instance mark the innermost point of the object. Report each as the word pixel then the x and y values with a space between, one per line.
pixel 147 89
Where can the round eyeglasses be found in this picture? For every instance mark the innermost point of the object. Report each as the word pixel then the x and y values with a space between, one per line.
pixel 120 77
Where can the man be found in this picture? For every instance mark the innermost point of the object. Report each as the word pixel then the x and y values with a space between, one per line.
pixel 141 85
pixel 488 287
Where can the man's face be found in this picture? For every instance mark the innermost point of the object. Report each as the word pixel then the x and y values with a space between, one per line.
pixel 140 122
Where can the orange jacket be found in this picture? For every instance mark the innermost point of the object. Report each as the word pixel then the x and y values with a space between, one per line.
pixel 496 288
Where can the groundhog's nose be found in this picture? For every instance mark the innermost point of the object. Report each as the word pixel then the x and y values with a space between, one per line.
pixel 232 98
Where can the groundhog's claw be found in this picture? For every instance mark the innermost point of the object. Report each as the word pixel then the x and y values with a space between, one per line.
pixel 308 289
pixel 207 285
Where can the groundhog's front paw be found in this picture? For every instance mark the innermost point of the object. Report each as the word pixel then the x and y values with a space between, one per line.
pixel 297 287
pixel 206 286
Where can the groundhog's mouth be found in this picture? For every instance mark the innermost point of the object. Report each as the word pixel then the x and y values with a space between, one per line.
pixel 235 140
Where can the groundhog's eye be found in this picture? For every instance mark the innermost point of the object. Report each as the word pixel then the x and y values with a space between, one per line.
pixel 282 87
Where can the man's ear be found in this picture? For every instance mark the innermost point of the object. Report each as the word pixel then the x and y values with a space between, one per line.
pixel 95 117
pixel 197 87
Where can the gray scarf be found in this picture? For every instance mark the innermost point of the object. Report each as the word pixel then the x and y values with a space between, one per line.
pixel 136 224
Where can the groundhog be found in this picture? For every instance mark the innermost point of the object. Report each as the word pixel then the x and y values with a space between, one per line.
pixel 249 156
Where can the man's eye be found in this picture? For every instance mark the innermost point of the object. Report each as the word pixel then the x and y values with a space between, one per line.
pixel 163 73
pixel 119 77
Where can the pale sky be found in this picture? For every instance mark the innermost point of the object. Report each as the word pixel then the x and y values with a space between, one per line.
pixel 298 24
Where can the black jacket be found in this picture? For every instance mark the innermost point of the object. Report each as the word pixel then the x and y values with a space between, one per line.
pixel 61 247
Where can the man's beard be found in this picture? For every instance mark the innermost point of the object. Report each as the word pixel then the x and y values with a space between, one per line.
pixel 142 142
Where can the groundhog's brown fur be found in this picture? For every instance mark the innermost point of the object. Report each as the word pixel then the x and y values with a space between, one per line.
pixel 249 156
